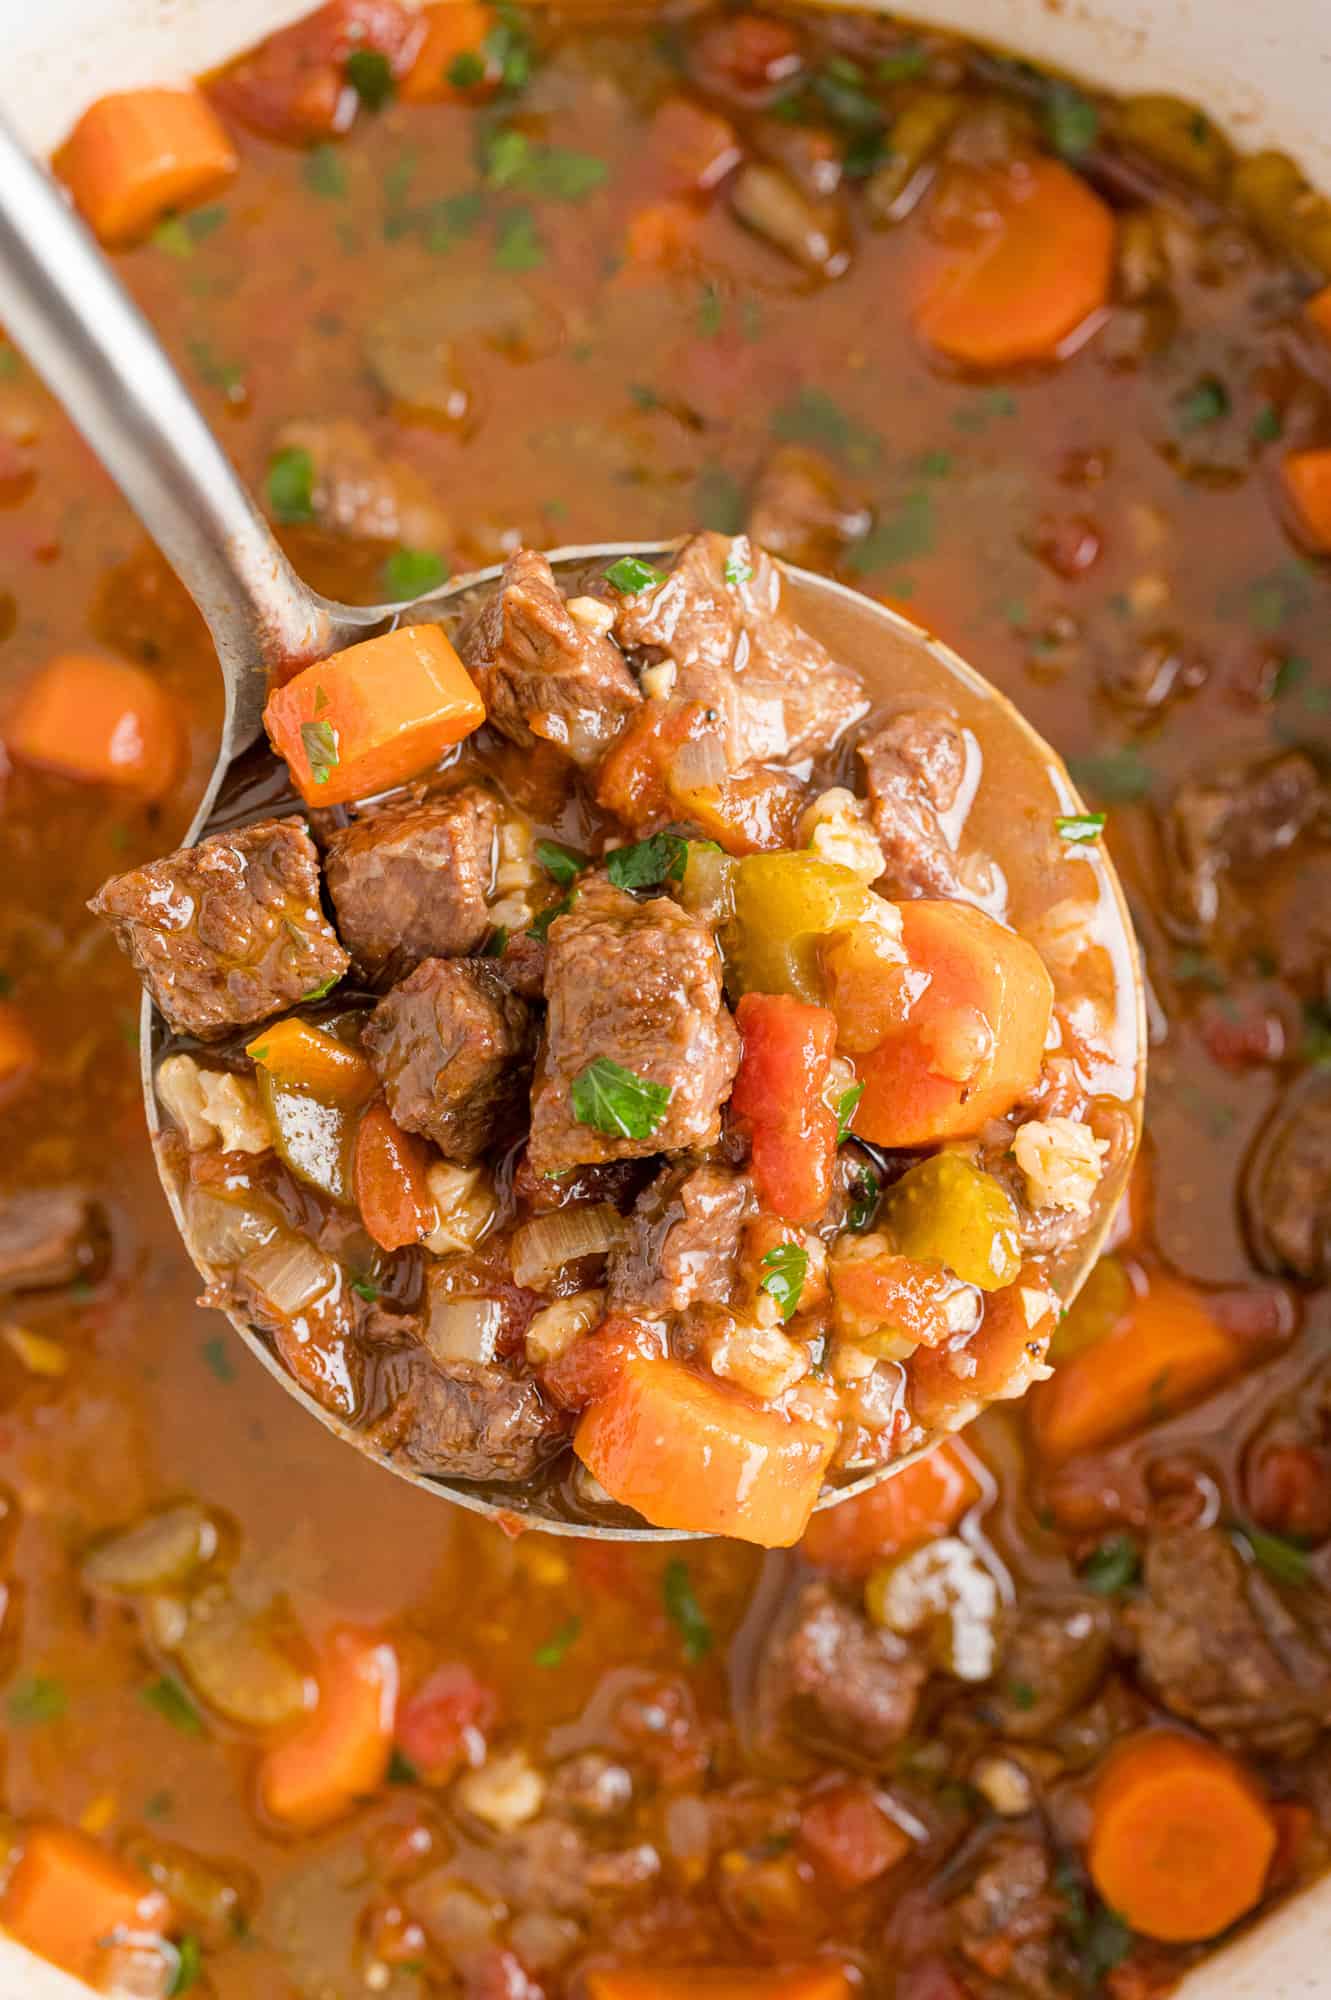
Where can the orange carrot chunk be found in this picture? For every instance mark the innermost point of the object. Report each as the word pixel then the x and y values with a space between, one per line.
pixel 925 1499
pixel 1181 1839
pixel 341 1753
pixel 100 721
pixel 138 153
pixel 688 1452
pixel 1165 1352
pixel 18 1050
pixel 1318 310
pixel 1307 480
pixel 373 715
pixel 1035 264
pixel 388 1176
pixel 720 1982
pixel 310 1059
pixel 457 60
pixel 67 1898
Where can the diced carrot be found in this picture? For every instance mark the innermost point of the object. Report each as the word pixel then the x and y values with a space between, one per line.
pixel 372 716
pixel 590 1368
pixel 18 1050
pixel 388 1178
pixel 924 1499
pixel 305 1058
pixel 720 1982
pixel 780 1092
pixel 968 1045
pixel 1034 268
pixel 688 1452
pixel 456 61
pixel 660 236
pixel 1318 310
pixel 341 1753
pixel 1000 1359
pixel 849 1836
pixel 1181 1839
pixel 68 1897
pixel 1166 1351
pixel 1307 479
pixel 98 720
pixel 139 153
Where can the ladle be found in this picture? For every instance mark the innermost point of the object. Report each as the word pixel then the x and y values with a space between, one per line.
pixel 65 308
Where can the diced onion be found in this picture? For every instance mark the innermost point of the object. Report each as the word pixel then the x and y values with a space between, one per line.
pixel 463 1329
pixel 160 1552
pixel 543 1246
pixel 698 763
pixel 289 1274
pixel 224 1230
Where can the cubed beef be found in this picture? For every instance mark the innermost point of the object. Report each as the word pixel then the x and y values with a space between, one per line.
pixel 466 1420
pixel 1054 1659
pixel 228 932
pixel 544 674
pixel 637 985
pixel 48 1236
pixel 1231 823
pixel 843 1684
pixel 522 964
pixel 797 509
pixel 1223 1649
pixel 683 1243
pixel 411 881
pixel 1286 1193
pixel 778 695
pixel 1012 1921
pixel 356 489
pixel 914 766
pixel 453 1046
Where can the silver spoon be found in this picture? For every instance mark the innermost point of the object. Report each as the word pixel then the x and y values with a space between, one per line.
pixel 63 305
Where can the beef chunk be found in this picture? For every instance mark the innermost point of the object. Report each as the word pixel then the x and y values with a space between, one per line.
pixel 1287 1184
pixel 522 964
pixel 797 511
pixel 410 882
pixel 838 1681
pixel 544 675
pixel 1235 820
pixel 467 1420
pixel 914 766
pixel 778 695
pixel 47 1238
pixel 684 1241
pixel 452 1044
pixel 358 490
pixel 1012 1921
pixel 1221 1648
pixel 228 932
pixel 639 985
pixel 1058 1652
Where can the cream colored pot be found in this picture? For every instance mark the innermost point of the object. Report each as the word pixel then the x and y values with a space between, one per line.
pixel 1263 71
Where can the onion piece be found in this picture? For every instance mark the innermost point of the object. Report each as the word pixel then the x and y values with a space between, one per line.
pixel 543 1246
pixel 289 1274
pixel 160 1552
pixel 698 763
pixel 224 1229
pixel 463 1329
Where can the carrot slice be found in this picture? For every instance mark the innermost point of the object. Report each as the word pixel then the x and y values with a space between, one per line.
pixel 660 236
pixel 136 154
pixel 965 1048
pixel 1307 481
pixel 456 62
pixel 1181 1839
pixel 1035 267
pixel 1318 310
pixel 18 1050
pixel 1164 1353
pixel 67 1897
pixel 688 1452
pixel 388 1177
pixel 373 715
pixel 100 721
pixel 310 1059
pixel 925 1499
pixel 720 1982
pixel 341 1753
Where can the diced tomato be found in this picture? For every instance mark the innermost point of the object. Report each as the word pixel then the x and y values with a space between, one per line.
pixel 1004 1354
pixel 780 1094
pixel 591 1366
pixel 689 148
pixel 456 60
pixel 1240 1038
pixel 295 86
pixel 922 1500
pixel 888 1291
pixel 850 1837
pixel 749 55
pixel 443 1725
pixel 1288 1489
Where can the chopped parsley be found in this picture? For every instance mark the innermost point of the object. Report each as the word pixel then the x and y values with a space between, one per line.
pixel 319 741
pixel 649 863
pixel 509 47
pixel 1121 776
pixel 290 484
pixel 169 1700
pixel 323 989
pixel 466 70
pixel 366 1289
pixel 401 1770
pixel 718 501
pixel 631 575
pixel 410 573
pixel 497 942
pixel 1071 122
pixel 612 1099
pixel 35 1699
pixel 1268 426
pixel 787 1267
pixel 561 864
pixel 812 417
pixel 1289 674
pixel 1316 1048
pixel 518 244
pixel 1202 405
pixel 370 75
pixel 711 310
pixel 684 1611
pixel 1282 1559
pixel 539 927
pixel 903 65
pixel 846 1106
pixel 550 173
pixel 552 1651
pixel 1022 1695
pixel 324 173
pixel 1098 1936
pixel 189 1964
pixel 1080 827
pixel 906 534
pixel 214 1351
pixel 1113 1567
pixel 738 568
pixel 863 1200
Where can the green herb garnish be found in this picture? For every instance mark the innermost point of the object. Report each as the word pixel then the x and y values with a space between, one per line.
pixel 787 1267
pixel 401 1770
pixel 738 568
pixel 1080 827
pixel 466 70
pixel 370 75
pixel 35 1699
pixel 323 989
pixel 1121 776
pixel 169 1700
pixel 903 65
pixel 1268 426
pixel 539 927
pixel 612 1099
pixel 684 1611
pixel 846 1106
pixel 188 1965
pixel 863 1200
pixel 1022 1695
pixel 290 484
pixel 561 864
pixel 1071 122
pixel 496 943
pixel 630 575
pixel 518 243
pixel 1202 405
pixel 649 863
pixel 324 173
pixel 552 1651
pixel 366 1289
pixel 1113 1567
pixel 1281 1558
pixel 410 573
pixel 217 1360
pixel 552 173
pixel 319 741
